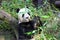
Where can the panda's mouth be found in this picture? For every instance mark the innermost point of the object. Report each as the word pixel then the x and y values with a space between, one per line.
pixel 28 19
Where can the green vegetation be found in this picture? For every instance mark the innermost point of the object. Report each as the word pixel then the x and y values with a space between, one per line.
pixel 50 27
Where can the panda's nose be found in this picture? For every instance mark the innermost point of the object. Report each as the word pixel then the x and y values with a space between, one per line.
pixel 26 17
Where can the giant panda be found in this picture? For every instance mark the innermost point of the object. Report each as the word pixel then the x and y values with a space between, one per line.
pixel 26 24
pixel 24 21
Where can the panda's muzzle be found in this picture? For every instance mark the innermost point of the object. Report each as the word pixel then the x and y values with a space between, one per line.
pixel 27 17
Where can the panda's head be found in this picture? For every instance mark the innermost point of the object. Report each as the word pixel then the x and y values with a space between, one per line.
pixel 23 15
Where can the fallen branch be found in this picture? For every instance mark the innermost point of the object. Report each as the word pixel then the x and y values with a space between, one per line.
pixel 12 21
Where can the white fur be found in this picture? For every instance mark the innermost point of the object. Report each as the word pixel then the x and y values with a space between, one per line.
pixel 25 12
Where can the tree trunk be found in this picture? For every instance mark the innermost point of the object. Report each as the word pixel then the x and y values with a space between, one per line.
pixel 12 21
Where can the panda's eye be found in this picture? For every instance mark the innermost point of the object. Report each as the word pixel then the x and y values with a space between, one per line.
pixel 28 13
pixel 23 15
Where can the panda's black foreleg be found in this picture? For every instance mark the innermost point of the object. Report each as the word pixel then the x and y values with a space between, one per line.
pixel 21 32
pixel 35 25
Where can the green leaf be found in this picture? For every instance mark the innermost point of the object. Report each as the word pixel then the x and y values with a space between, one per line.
pixel 45 16
pixel 34 31
pixel 28 33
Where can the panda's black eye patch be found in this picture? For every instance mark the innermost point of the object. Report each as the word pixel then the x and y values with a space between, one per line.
pixel 23 15
pixel 28 13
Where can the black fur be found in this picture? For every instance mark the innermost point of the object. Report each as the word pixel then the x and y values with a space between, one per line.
pixel 23 15
pixel 25 27
pixel 37 20
pixel 17 10
pixel 28 13
pixel 28 27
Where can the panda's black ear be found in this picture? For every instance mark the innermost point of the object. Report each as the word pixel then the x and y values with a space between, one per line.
pixel 17 10
pixel 23 15
pixel 27 7
pixel 28 13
